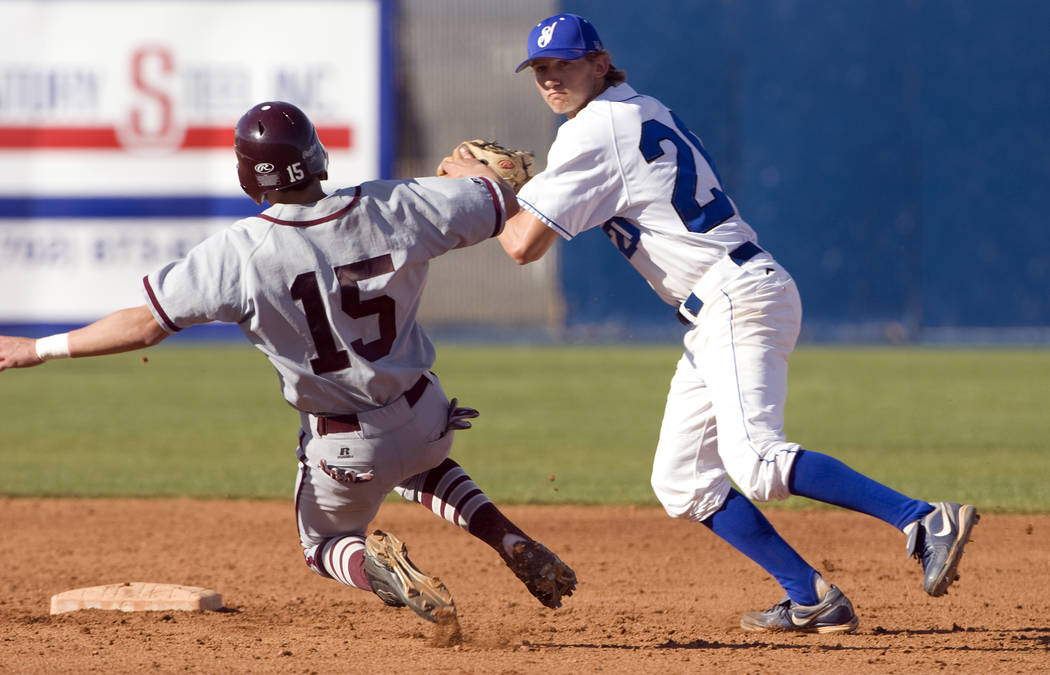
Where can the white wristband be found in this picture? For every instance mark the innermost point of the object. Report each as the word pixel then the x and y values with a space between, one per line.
pixel 53 347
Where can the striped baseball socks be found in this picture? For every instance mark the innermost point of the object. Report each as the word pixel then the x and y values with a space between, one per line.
pixel 343 558
pixel 451 494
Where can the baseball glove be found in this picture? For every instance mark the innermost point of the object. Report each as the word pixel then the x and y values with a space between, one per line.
pixel 513 166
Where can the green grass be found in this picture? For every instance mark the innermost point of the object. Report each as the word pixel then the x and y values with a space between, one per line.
pixel 190 421
pixel 210 422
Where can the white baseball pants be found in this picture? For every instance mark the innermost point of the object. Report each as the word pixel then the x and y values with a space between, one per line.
pixel 724 418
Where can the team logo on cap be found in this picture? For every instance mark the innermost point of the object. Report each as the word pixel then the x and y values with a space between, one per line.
pixel 263 167
pixel 546 33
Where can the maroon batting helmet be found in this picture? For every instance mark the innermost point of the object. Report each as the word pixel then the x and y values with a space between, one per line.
pixel 277 149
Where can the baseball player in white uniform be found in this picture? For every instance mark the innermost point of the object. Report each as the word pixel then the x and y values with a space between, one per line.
pixel 328 286
pixel 626 163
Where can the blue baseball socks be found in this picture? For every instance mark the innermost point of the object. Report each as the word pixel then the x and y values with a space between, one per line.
pixel 818 476
pixel 744 527
pixel 814 476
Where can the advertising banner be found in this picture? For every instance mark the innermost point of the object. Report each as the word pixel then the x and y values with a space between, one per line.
pixel 116 130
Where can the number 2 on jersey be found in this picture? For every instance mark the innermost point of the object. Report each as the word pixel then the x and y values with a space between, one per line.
pixel 305 289
pixel 695 216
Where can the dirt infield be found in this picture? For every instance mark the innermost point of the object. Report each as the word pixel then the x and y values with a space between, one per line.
pixel 655 595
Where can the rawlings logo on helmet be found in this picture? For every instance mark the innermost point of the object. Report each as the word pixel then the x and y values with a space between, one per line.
pixel 277 148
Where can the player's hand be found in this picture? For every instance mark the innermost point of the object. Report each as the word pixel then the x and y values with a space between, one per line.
pixel 462 164
pixel 18 352
pixel 458 416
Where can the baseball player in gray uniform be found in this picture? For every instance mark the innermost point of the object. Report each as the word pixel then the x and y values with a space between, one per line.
pixel 328 286
pixel 626 163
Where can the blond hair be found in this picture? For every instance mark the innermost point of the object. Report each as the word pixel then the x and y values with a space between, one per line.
pixel 614 75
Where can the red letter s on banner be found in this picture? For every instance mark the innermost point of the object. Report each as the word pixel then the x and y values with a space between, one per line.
pixel 150 67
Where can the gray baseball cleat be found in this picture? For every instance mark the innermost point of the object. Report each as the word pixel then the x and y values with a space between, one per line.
pixel 398 582
pixel 937 540
pixel 833 614
pixel 542 572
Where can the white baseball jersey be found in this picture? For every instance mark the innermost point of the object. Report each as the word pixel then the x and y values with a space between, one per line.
pixel 329 291
pixel 610 166
pixel 626 163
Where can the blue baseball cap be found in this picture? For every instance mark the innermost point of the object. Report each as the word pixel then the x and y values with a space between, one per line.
pixel 562 36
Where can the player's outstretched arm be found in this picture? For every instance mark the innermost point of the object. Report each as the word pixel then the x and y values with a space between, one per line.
pixel 122 331
pixel 525 238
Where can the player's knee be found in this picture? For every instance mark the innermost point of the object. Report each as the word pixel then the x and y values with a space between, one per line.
pixel 674 493
pixel 691 501
pixel 761 473
pixel 759 493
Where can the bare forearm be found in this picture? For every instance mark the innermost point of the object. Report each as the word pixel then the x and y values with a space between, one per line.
pixel 526 239
pixel 122 331
pixel 511 242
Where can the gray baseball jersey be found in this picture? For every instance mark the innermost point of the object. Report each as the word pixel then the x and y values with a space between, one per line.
pixel 329 291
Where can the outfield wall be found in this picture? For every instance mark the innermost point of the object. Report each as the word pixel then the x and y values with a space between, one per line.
pixel 894 155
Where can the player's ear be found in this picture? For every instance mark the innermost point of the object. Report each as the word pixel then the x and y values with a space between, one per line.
pixel 601 62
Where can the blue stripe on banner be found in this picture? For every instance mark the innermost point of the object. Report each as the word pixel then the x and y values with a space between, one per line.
pixel 167 206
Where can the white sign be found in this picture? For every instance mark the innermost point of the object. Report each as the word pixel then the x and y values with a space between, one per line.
pixel 108 108
pixel 59 270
